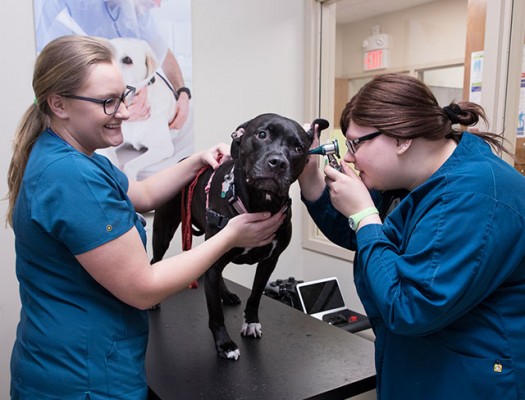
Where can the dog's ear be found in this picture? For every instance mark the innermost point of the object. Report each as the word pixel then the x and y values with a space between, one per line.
pixel 151 59
pixel 235 147
pixel 321 124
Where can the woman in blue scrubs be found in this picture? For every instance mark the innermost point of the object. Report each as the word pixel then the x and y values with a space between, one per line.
pixel 85 278
pixel 441 274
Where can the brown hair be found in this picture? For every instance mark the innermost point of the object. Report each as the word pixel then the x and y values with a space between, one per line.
pixel 403 107
pixel 61 68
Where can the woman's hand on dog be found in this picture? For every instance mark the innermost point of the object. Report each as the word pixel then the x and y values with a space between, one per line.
pixel 215 155
pixel 254 229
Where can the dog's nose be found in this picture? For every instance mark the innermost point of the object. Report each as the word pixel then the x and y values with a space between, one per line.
pixel 278 162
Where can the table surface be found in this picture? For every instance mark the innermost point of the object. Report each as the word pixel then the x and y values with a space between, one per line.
pixel 298 357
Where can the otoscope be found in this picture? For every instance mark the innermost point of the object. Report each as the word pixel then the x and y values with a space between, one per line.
pixel 331 151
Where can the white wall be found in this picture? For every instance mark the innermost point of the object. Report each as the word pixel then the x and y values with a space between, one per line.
pixel 427 34
pixel 18 49
pixel 247 61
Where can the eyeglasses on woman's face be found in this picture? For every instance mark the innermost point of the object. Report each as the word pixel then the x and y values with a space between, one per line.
pixel 111 104
pixel 353 144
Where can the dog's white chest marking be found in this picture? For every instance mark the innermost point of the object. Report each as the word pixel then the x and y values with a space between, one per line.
pixel 274 245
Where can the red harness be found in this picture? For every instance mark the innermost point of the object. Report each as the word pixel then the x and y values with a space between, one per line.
pixel 187 197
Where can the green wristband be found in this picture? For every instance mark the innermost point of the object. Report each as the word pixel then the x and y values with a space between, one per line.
pixel 355 219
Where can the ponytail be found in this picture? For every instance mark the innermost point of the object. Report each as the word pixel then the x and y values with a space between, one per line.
pixel 31 125
pixel 468 114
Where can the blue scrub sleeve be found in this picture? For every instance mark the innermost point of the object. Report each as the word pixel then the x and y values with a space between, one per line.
pixel 330 222
pixel 451 261
pixel 92 208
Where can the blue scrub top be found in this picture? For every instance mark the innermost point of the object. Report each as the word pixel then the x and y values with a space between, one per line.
pixel 75 340
pixel 443 280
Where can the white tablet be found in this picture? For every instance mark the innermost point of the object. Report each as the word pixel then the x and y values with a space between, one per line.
pixel 321 297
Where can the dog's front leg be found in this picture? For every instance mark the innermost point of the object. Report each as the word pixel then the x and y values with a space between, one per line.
pixel 251 325
pixel 165 222
pixel 228 298
pixel 224 345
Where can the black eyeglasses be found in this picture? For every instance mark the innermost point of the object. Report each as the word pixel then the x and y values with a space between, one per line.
pixel 111 104
pixel 353 144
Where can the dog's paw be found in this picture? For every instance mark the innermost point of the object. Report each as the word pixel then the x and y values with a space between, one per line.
pixel 253 329
pixel 233 355
pixel 230 299
pixel 229 352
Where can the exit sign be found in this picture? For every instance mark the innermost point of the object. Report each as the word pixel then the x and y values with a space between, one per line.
pixel 375 59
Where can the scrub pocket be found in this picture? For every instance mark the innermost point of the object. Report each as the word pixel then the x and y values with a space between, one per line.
pixel 125 369
pixel 476 378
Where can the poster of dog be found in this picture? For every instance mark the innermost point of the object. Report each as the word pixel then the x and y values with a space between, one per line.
pixel 152 41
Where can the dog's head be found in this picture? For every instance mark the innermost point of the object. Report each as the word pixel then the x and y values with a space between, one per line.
pixel 272 151
pixel 135 59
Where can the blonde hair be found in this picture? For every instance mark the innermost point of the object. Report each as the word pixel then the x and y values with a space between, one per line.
pixel 61 68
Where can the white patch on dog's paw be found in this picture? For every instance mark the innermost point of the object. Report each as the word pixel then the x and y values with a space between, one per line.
pixel 253 329
pixel 233 354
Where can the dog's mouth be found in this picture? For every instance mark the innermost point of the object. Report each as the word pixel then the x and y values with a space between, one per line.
pixel 278 187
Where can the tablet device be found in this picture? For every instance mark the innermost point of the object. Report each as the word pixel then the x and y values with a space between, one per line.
pixel 321 297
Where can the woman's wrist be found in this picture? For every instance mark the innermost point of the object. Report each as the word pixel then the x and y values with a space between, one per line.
pixel 198 160
pixel 228 237
pixel 370 219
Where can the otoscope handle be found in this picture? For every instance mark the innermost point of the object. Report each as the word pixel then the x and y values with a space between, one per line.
pixel 332 161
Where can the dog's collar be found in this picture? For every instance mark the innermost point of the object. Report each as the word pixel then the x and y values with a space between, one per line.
pixel 215 219
pixel 228 189
pixel 228 192
pixel 150 80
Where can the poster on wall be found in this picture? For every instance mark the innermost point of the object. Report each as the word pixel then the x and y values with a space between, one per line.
pixel 476 73
pixel 152 41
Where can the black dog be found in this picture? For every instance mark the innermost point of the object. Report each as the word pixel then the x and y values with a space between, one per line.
pixel 268 153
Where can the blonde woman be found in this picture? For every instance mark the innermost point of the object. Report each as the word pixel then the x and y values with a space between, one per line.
pixel 85 279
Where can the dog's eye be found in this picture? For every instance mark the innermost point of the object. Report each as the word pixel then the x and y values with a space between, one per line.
pixel 261 135
pixel 127 60
pixel 299 150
